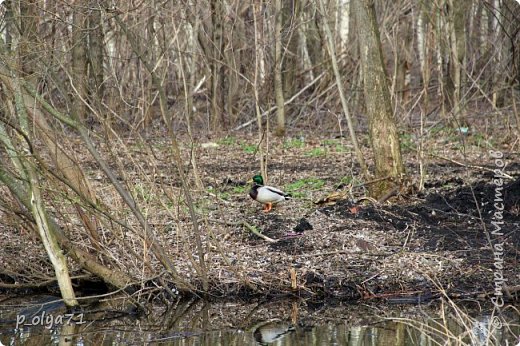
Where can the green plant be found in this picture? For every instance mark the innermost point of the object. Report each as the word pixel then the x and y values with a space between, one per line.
pixel 329 142
pixel 407 143
pixel 218 193
pixel 437 130
pixel 340 148
pixel 299 188
pixel 294 143
pixel 249 148
pixel 335 144
pixel 239 189
pixel 228 140
pixel 346 180
pixel 142 192
pixel 480 140
pixel 316 152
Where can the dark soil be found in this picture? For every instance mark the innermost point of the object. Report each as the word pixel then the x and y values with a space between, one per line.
pixel 452 222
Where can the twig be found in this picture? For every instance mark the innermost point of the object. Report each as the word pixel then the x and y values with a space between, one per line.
pixel 219 198
pixel 372 181
pixel 388 195
pixel 255 231
pixel 339 252
pixel 370 199
pixel 37 284
pixel 249 227
pixel 503 174
pixel 285 103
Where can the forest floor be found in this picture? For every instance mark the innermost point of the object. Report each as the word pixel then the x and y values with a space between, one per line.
pixel 413 247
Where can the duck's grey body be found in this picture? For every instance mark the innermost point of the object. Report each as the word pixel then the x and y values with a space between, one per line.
pixel 268 195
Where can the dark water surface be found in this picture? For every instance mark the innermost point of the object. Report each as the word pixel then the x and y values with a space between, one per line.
pixel 43 320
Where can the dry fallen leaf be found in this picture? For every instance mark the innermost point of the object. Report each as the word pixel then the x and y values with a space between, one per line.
pixel 332 198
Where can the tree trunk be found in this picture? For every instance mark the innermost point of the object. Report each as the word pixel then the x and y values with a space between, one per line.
pixel 35 202
pixel 423 47
pixel 311 54
pixel 96 38
pixel 79 62
pixel 344 22
pixel 403 45
pixel 383 130
pixel 456 20
pixel 290 22
pixel 50 241
pixel 278 84
pixel 29 37
pixel 257 82
pixel 217 73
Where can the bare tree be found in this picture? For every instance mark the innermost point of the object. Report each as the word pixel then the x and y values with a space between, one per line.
pixel 383 130
pixel 79 60
pixel 29 45
pixel 95 53
pixel 457 38
pixel 217 70
pixel 278 84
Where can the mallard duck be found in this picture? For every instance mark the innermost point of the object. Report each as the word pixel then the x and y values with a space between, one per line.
pixel 266 195
pixel 271 331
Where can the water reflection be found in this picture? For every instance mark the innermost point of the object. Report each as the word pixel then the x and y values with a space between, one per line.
pixel 269 332
pixel 186 323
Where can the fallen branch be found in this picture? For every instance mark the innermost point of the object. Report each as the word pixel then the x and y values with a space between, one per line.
pixel 250 227
pixel 273 108
pixel 256 232
pixel 340 252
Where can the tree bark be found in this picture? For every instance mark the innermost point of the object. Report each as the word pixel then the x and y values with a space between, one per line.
pixel 456 20
pixel 278 84
pixel 383 130
pixel 29 37
pixel 50 241
pixel 291 60
pixel 217 70
pixel 96 54
pixel 79 61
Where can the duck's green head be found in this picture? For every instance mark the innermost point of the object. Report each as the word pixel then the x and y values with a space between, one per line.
pixel 258 179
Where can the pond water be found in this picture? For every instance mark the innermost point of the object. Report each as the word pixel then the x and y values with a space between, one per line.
pixel 43 320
